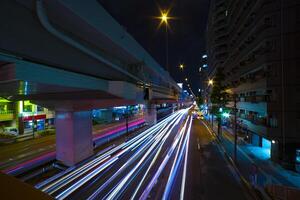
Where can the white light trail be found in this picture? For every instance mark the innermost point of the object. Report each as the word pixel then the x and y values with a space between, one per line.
pixel 122 183
pixel 141 145
pixel 176 162
pixel 58 184
pixel 160 169
pixel 185 162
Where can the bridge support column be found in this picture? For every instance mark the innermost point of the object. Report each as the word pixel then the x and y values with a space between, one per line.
pixel 73 136
pixel 150 114
pixel 174 107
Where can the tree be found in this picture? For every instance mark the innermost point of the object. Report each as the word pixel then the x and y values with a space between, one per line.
pixel 199 100
pixel 218 97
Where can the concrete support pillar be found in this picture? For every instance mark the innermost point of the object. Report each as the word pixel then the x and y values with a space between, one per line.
pixel 18 119
pixel 73 136
pixel 150 114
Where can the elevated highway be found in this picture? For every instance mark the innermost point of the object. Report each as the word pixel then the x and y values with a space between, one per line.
pixel 72 57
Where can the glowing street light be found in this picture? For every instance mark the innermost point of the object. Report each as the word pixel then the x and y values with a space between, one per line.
pixel 164 19
pixel 181 66
pixel 186 79
pixel 210 82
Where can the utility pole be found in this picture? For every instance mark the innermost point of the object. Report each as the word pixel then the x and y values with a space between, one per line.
pixel 212 121
pixel 235 129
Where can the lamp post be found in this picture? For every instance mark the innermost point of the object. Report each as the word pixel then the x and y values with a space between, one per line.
pixel 210 83
pixel 235 129
pixel 164 20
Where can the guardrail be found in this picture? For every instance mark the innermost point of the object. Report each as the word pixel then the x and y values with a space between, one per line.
pixel 24 137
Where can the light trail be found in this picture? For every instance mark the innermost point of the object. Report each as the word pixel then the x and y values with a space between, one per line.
pixel 86 178
pixel 157 139
pixel 73 175
pixel 108 158
pixel 160 169
pixel 150 166
pixel 185 162
pixel 51 155
pixel 176 162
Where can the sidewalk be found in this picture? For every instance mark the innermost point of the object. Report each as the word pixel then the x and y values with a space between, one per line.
pixel 258 156
pixel 251 162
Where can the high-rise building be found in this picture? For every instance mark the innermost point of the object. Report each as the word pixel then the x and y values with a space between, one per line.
pixel 257 45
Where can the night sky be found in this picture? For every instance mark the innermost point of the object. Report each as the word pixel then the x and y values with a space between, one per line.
pixel 186 33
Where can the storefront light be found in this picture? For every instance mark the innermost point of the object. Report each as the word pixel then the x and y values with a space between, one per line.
pixel 273 141
pixel 226 115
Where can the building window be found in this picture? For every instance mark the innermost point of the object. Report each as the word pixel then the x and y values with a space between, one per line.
pixel 2 108
pixel 40 109
pixel 273 122
pixel 27 108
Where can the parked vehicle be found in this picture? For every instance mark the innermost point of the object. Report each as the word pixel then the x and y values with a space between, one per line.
pixel 11 131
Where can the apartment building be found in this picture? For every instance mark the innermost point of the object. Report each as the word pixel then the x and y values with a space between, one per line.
pixel 257 44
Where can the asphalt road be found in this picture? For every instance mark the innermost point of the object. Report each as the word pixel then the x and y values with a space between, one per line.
pixel 19 152
pixel 128 170
pixel 210 176
pixel 163 162
pixel 13 154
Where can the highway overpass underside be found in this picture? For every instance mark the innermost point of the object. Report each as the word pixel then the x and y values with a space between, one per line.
pixel 72 96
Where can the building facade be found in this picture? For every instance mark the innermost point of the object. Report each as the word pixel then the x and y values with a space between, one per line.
pixel 256 43
pixel 24 116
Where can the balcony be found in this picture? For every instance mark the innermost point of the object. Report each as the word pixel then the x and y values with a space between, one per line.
pixel 255 107
pixel 255 99
pixel 256 125
pixel 6 115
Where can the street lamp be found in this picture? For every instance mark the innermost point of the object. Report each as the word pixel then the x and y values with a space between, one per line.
pixel 164 17
pixel 181 66
pixel 210 82
pixel 186 79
